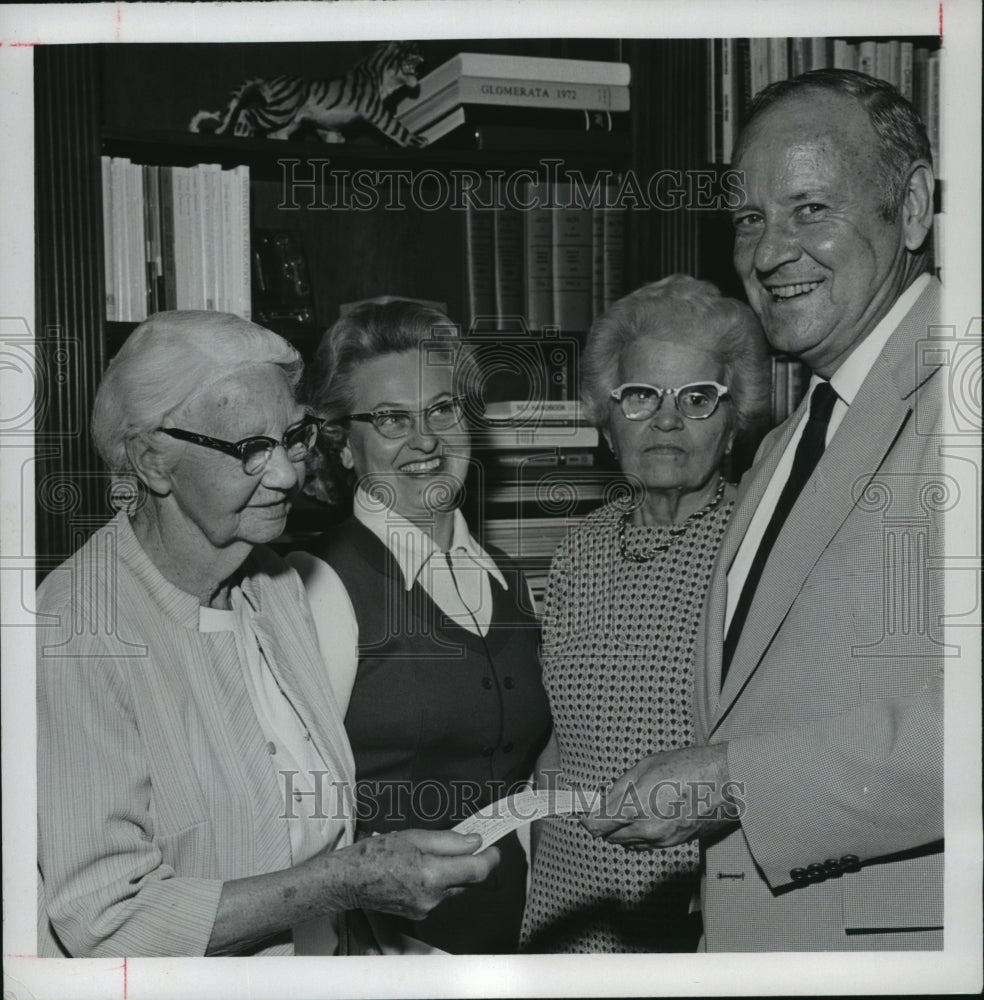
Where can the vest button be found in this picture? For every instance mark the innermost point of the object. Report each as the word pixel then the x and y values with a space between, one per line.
pixel 507 748
pixel 508 683
pixel 488 751
pixel 487 683
pixel 271 746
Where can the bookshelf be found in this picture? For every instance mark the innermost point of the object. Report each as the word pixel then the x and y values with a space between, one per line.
pixel 135 101
pixel 738 68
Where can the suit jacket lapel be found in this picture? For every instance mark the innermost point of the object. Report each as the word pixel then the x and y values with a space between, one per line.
pixel 710 637
pixel 871 425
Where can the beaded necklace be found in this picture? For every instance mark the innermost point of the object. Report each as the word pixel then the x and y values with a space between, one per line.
pixel 673 530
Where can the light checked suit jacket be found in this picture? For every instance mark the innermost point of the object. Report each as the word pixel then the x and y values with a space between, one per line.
pixel 832 706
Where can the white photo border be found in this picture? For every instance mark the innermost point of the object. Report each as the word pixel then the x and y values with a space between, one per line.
pixel 957 969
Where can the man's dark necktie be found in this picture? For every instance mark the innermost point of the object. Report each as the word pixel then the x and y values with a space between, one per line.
pixel 808 452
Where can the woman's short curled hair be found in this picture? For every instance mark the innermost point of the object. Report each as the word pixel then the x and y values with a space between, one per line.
pixel 682 310
pixel 372 330
pixel 167 361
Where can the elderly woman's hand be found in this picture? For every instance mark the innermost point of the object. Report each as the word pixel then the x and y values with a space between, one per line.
pixel 405 873
pixel 409 872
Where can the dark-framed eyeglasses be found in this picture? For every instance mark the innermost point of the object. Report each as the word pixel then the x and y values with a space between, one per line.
pixel 695 400
pixel 438 417
pixel 254 452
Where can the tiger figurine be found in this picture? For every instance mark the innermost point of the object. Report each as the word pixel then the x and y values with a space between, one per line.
pixel 278 107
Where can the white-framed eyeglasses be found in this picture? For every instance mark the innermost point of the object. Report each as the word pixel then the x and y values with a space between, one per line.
pixel 440 416
pixel 695 400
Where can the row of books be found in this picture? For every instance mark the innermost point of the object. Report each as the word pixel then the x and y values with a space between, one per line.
pixel 539 460
pixel 175 238
pixel 481 100
pixel 738 68
pixel 790 380
pixel 548 258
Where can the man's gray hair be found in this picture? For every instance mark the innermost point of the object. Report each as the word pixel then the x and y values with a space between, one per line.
pixel 901 134
pixel 168 360
pixel 680 310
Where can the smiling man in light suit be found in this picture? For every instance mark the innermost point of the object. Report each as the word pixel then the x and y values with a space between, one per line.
pixel 817 791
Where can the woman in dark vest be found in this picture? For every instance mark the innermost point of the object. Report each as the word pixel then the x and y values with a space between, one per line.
pixel 430 639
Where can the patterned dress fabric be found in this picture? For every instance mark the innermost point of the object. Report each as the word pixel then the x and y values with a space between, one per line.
pixel 618 665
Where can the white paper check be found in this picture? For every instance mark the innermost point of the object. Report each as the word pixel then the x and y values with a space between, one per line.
pixel 508 814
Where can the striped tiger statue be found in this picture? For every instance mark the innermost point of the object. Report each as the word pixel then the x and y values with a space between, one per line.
pixel 278 107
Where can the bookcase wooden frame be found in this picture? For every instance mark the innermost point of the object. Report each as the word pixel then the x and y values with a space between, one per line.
pixel 667 131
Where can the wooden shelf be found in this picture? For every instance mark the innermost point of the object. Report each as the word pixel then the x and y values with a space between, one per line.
pixel 262 155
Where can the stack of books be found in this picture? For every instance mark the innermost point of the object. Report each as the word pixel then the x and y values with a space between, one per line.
pixel 175 238
pixel 483 101
pixel 539 463
pixel 551 431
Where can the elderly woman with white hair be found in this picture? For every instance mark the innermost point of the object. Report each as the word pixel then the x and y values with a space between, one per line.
pixel 672 373
pixel 194 778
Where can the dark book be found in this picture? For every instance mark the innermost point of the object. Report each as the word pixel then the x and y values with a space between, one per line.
pixel 573 262
pixel 152 239
pixel 744 85
pixel 166 182
pixel 563 120
pixel 538 254
pixel 613 265
pixel 480 258
pixel 713 78
pixel 509 274
pixel 534 140
pixel 718 122
pixel 514 459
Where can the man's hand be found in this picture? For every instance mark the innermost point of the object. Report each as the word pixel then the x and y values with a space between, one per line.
pixel 409 872
pixel 669 798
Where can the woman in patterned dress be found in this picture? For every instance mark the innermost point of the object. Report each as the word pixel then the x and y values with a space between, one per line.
pixel 673 373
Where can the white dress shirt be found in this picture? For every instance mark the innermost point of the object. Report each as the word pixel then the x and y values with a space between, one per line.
pixel 846 382
pixel 291 750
